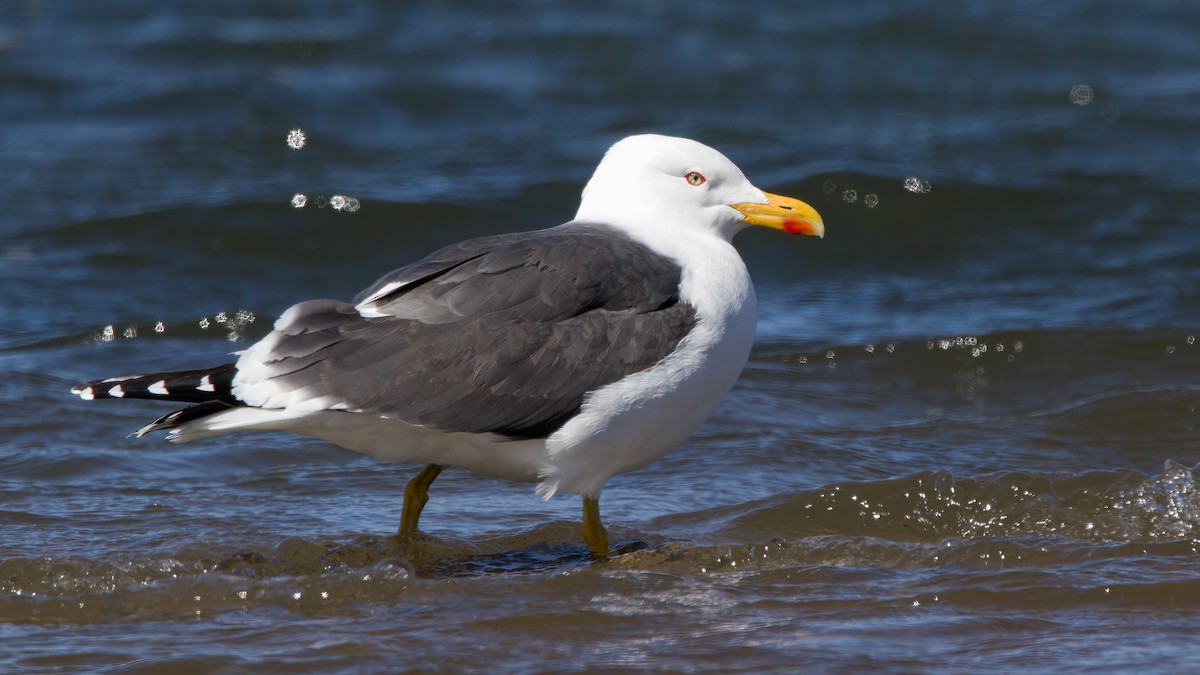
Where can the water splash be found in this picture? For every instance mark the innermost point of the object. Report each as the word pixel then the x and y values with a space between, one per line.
pixel 932 507
pixel 1166 506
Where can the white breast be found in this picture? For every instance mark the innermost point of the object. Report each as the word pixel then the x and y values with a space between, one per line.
pixel 638 419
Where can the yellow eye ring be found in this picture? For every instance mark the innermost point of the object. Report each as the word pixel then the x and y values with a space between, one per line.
pixel 694 178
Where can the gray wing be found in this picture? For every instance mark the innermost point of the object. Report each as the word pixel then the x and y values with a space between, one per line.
pixel 501 334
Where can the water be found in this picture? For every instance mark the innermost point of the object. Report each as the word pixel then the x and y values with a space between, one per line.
pixel 967 438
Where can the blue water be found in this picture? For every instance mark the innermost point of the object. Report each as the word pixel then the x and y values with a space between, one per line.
pixel 967 438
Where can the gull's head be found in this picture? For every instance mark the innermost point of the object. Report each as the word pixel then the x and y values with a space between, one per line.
pixel 648 182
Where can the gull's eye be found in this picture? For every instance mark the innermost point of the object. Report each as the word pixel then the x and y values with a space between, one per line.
pixel 694 178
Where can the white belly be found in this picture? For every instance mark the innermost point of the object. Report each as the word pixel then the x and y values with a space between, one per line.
pixel 386 439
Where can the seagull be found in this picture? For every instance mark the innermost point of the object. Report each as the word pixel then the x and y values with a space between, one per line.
pixel 560 357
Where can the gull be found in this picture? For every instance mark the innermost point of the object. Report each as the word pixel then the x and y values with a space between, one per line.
pixel 561 356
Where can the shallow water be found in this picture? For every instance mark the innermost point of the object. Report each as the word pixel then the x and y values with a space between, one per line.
pixel 967 438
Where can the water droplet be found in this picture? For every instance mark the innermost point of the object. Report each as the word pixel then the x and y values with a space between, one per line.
pixel 394 569
pixel 341 203
pixel 204 323
pixel 849 196
pixel 917 186
pixel 234 324
pixel 1082 94
pixel 299 200
pixel 829 187
pixel 160 327
pixel 871 201
pixel 296 139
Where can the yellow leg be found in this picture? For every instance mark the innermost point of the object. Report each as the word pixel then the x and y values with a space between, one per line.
pixel 593 530
pixel 416 494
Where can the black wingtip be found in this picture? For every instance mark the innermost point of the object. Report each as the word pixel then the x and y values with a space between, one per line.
pixel 179 418
pixel 189 386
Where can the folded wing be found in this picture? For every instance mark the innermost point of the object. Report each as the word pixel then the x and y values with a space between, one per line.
pixel 502 334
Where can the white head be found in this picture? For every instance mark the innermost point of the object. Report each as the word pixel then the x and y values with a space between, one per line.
pixel 655 181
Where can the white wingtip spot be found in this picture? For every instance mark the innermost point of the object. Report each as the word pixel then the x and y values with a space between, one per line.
pixel 206 384
pixel 159 388
pixel 85 393
pixel 116 392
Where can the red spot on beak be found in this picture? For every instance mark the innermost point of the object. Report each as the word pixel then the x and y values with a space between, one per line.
pixel 796 226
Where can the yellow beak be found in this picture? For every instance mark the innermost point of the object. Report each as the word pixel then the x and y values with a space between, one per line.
pixel 783 213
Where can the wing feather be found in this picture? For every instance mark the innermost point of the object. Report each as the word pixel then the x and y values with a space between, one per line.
pixel 500 334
